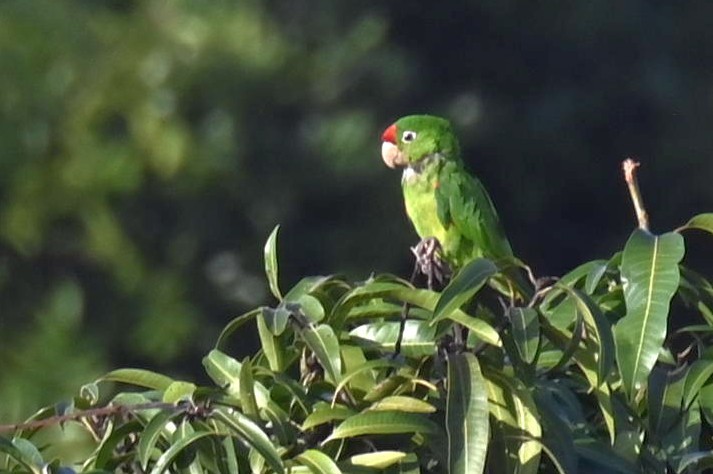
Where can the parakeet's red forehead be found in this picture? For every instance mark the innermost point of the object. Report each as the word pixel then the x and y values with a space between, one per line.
pixel 389 134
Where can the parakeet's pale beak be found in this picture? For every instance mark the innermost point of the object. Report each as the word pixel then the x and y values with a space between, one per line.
pixel 390 153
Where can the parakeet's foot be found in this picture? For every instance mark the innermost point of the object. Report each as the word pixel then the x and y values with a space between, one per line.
pixel 429 261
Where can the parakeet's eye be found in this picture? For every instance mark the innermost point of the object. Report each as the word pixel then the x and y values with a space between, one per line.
pixel 408 136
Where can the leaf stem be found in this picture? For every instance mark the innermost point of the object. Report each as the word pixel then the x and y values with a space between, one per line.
pixel 629 166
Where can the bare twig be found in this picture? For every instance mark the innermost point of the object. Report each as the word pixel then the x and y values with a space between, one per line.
pixel 109 410
pixel 630 167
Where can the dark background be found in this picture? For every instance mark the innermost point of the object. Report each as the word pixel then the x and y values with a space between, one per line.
pixel 148 148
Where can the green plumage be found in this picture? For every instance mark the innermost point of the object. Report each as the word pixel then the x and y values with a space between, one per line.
pixel 442 199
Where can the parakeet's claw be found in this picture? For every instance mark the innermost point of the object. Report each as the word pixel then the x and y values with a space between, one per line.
pixel 429 261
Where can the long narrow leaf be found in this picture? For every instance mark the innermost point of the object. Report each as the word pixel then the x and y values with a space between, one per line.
pixel 323 342
pixel 168 456
pixel 383 422
pixel 467 415
pixel 271 263
pixel 139 377
pixel 515 423
pixel 318 462
pixel 251 433
pixel 650 273
pixel 463 286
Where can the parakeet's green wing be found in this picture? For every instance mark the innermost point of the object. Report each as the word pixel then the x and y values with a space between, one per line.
pixel 463 202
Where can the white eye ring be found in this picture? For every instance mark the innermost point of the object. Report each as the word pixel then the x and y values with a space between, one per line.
pixel 408 136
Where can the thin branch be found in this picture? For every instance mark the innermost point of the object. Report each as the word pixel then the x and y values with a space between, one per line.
pixel 91 413
pixel 630 167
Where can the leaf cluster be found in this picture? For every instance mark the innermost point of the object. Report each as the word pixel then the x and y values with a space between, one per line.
pixel 585 377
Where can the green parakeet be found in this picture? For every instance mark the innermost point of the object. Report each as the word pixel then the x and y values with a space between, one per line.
pixel 442 199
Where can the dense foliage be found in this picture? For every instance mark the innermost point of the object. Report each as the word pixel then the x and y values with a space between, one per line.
pixel 584 378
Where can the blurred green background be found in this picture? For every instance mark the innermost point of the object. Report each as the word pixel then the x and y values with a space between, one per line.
pixel 147 148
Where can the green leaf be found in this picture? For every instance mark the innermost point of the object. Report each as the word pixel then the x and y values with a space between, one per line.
pixel 376 460
pixel 324 413
pixel 684 437
pixel 107 447
pixel 408 465
pixel 359 373
pixel 311 308
pixel 650 273
pixel 32 461
pixel 701 222
pixel 665 400
pixel 467 413
pixel 271 263
pixel 150 436
pixel 166 459
pixel 318 462
pixel 402 403
pixel 418 337
pixel 557 425
pixel 383 422
pixel 525 330
pixel 469 280
pixel 422 298
pixel 603 455
pixel 322 341
pixel 276 319
pixel 515 423
pixel 251 433
pixel 386 387
pixel 595 275
pixel 271 346
pixel 698 375
pixel 595 358
pixel 247 389
pixel 226 373
pixel 139 377
pixel 177 391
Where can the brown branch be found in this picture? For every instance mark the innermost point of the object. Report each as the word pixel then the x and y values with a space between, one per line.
pixel 630 167
pixel 94 412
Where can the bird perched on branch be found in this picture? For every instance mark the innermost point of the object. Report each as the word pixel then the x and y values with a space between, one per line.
pixel 449 208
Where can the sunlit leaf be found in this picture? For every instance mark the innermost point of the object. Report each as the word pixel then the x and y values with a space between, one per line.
pixel 318 462
pixel 323 342
pixel 467 415
pixel 251 433
pixel 151 434
pixel 402 403
pixel 248 401
pixel 422 298
pixel 383 422
pixel 178 390
pixel 376 460
pixel 140 377
pixel 271 346
pixel 469 280
pixel 324 413
pixel 650 273
pixel 525 330
pixel 701 222
pixel 699 374
pixel 418 337
pixel 271 263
